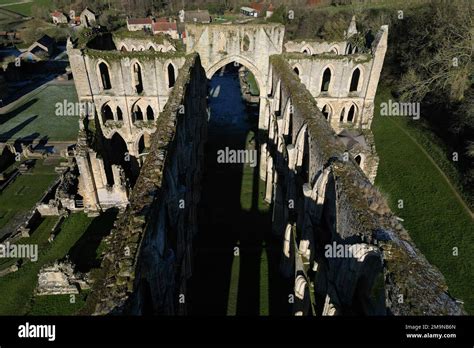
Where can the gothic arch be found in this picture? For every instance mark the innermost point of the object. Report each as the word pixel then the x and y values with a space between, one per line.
pixel 106 113
pixel 307 49
pixel 242 61
pixel 326 79
pixel 297 69
pixel 327 111
pixel 171 73
pixel 334 49
pixel 356 80
pixel 352 113
pixel 137 75
pixel 103 75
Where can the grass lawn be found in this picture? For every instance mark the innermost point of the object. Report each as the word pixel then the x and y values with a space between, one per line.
pixel 253 85
pixel 36 118
pixel 25 7
pixel 434 217
pixel 21 195
pixel 17 288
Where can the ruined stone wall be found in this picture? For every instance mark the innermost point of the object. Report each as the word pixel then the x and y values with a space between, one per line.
pixel 316 47
pixel 149 254
pixel 338 97
pixel 123 110
pixel 320 198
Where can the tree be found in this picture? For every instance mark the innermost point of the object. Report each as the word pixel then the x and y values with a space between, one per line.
pixel 436 52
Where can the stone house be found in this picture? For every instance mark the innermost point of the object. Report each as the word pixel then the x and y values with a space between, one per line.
pixel 87 17
pixel 58 17
pixel 41 48
pixel 136 24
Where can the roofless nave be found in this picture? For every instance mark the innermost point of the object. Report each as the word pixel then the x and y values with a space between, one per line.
pixel 316 155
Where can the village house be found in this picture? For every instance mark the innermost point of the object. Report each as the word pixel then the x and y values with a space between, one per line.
pixel 88 18
pixel 136 24
pixel 58 17
pixel 40 49
pixel 199 16
pixel 162 25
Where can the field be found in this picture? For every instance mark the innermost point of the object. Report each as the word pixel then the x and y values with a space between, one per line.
pixel 35 118
pixel 80 238
pixel 434 216
pixel 21 195
pixel 24 7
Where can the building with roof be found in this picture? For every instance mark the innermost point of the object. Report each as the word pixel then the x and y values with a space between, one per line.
pixel 88 18
pixel 135 24
pixel 40 49
pixel 58 17
pixel 199 16
pixel 168 28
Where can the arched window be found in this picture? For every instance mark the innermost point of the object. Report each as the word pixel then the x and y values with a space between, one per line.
pixel 326 112
pixel 107 114
pixel 151 48
pixel 150 115
pixel 358 159
pixel 351 114
pixel 341 118
pixel 246 43
pixel 348 48
pixel 296 70
pixel 326 80
pixel 141 144
pixel 306 51
pixel 104 75
pixel 171 75
pixel 137 78
pixel 119 114
pixel 137 113
pixel 123 49
pixel 355 81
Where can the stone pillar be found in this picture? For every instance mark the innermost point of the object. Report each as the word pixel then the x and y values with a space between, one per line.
pixel 269 183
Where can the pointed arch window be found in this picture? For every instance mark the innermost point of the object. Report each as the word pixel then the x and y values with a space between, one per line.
pixel 171 76
pixel 104 76
pixel 326 80
pixel 354 87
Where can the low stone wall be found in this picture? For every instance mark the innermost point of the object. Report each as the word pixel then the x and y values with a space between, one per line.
pixel 149 254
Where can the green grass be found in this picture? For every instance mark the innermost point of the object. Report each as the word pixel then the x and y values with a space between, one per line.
pixel 433 216
pixel 26 8
pixel 21 195
pixel 253 85
pixel 36 117
pixel 17 288
pixel 58 304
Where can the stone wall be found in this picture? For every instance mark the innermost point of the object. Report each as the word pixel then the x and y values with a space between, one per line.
pixel 149 255
pixel 322 199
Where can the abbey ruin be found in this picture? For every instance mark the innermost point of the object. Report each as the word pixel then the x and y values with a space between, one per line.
pixel 141 149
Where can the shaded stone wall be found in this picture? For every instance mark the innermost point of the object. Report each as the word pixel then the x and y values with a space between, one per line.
pixel 124 103
pixel 149 256
pixel 320 197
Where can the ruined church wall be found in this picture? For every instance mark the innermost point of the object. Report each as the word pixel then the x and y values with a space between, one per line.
pixel 148 258
pixel 335 202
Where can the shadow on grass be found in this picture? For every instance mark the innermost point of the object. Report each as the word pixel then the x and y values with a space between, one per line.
pixel 9 115
pixel 224 225
pixel 85 254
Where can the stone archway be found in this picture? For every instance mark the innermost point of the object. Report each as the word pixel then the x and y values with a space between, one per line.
pixel 259 77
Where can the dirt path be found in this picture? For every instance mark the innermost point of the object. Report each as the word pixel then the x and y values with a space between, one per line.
pixel 453 188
